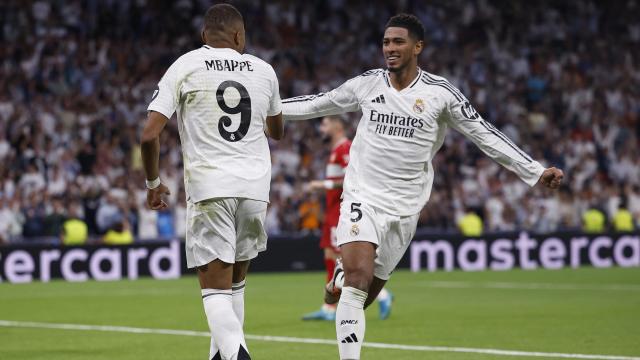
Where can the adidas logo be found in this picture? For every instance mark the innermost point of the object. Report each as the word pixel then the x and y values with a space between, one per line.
pixel 379 100
pixel 350 339
pixel 242 354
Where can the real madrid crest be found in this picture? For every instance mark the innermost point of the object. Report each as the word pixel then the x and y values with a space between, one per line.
pixel 418 107
pixel 355 230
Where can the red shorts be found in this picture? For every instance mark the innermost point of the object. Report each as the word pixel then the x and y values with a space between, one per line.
pixel 329 239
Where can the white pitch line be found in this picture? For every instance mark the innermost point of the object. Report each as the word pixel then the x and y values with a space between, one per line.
pixel 528 286
pixel 286 339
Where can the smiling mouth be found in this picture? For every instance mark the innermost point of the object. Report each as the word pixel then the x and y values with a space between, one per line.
pixel 392 57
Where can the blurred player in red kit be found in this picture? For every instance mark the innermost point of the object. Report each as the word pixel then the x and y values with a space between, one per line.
pixel 332 129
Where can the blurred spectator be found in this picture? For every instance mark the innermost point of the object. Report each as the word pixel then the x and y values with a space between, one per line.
pixel 55 218
pixel 623 219
pixel 10 221
pixel 470 224
pixel 120 234
pixel 310 212
pixel 593 221
pixel 74 230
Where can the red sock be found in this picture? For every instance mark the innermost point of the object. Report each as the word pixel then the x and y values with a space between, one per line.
pixel 330 264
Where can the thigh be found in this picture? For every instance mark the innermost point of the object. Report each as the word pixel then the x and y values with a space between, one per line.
pixel 357 223
pixel 358 264
pixel 249 223
pixel 394 244
pixel 211 232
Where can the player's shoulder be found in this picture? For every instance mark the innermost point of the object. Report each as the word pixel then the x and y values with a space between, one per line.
pixel 368 79
pixel 344 146
pixel 373 73
pixel 439 84
pixel 263 65
pixel 191 56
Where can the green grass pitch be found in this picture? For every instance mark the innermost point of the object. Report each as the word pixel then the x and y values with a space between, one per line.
pixel 585 311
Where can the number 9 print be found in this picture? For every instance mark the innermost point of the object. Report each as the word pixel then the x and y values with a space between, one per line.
pixel 243 107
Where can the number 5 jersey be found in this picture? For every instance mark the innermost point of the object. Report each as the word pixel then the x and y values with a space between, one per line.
pixel 221 99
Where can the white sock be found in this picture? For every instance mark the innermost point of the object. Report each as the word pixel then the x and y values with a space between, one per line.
pixel 237 290
pixel 225 328
pixel 350 323
pixel 383 295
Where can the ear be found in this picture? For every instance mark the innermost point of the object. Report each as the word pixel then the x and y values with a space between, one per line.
pixel 203 35
pixel 236 38
pixel 418 48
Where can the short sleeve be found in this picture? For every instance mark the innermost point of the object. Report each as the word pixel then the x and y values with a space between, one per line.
pixel 165 97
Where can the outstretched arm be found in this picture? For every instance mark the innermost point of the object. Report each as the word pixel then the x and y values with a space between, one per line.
pixel 337 101
pixel 465 119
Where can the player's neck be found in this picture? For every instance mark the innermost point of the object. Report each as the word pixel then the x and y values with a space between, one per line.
pixel 222 44
pixel 403 78
pixel 335 140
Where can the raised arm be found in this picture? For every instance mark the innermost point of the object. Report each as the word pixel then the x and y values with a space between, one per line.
pixel 465 119
pixel 337 101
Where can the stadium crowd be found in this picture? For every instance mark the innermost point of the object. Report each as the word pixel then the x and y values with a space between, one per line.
pixel 559 78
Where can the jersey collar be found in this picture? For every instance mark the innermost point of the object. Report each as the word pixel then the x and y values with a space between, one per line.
pixel 220 49
pixel 387 80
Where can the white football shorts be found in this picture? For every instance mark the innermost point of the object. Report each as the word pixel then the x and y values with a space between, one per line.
pixel 229 229
pixel 391 234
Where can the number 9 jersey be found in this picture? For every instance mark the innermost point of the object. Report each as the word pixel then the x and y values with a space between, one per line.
pixel 222 99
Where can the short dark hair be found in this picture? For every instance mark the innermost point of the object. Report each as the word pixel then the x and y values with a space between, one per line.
pixel 221 16
pixel 409 22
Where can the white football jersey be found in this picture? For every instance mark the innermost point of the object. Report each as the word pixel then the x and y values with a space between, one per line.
pixel 399 134
pixel 222 99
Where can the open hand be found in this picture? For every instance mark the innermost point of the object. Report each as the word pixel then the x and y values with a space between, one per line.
pixel 154 197
pixel 315 185
pixel 552 178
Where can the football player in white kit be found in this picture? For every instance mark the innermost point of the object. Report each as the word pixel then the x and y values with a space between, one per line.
pixel 405 114
pixel 227 103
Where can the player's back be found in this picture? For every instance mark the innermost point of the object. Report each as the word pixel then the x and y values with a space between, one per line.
pixel 222 99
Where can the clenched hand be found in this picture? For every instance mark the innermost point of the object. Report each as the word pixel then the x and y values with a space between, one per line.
pixel 552 178
pixel 155 197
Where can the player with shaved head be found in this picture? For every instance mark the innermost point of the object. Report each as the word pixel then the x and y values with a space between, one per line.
pixel 227 103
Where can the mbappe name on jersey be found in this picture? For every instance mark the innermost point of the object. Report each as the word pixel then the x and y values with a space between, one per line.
pixel 228 65
pixel 395 125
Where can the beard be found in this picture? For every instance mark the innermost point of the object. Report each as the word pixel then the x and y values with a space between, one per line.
pixel 325 138
pixel 400 67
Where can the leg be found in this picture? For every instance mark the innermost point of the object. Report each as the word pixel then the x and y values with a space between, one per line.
pixel 330 257
pixel 328 310
pixel 384 297
pixel 376 286
pixel 358 262
pixel 240 270
pixel 227 337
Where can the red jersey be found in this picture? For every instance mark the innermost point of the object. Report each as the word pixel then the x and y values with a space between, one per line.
pixel 336 168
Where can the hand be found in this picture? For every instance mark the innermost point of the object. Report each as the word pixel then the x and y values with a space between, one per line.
pixel 154 197
pixel 315 185
pixel 551 178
